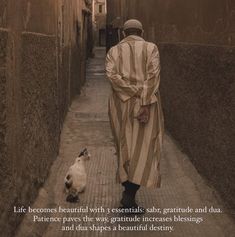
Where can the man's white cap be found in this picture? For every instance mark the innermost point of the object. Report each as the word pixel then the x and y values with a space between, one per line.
pixel 133 23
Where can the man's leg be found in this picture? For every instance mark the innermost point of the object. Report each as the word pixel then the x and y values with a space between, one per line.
pixel 128 197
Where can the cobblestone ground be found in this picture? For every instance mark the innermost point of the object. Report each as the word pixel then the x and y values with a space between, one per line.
pixel 87 125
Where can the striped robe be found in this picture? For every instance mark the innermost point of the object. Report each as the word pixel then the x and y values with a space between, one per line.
pixel 133 67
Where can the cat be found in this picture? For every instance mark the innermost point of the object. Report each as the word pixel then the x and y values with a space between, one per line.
pixel 76 177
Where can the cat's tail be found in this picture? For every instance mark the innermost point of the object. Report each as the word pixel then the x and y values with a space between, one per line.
pixel 68 181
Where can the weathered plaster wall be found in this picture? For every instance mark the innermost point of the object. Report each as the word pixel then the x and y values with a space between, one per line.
pixel 191 21
pixel 40 117
pixel 38 80
pixel 196 39
pixel 6 183
pixel 198 92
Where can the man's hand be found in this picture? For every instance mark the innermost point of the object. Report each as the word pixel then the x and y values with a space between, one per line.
pixel 139 92
pixel 143 114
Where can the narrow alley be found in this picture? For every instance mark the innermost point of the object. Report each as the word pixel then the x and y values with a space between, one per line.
pixel 87 125
pixel 54 103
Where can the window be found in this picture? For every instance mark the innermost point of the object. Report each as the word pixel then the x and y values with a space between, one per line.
pixel 100 8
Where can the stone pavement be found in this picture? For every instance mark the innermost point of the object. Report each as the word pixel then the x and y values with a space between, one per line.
pixel 87 125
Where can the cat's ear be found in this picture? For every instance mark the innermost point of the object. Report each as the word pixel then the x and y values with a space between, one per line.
pixel 82 153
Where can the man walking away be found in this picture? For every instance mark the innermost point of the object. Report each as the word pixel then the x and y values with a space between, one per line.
pixel 133 69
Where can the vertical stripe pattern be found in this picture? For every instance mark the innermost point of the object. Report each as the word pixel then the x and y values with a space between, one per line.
pixel 133 66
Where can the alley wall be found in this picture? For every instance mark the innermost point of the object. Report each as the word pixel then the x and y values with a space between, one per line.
pixel 196 39
pixel 43 50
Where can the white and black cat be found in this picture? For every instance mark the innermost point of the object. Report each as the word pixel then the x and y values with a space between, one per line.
pixel 76 177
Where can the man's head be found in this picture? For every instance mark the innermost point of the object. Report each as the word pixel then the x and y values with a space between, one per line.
pixel 133 27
